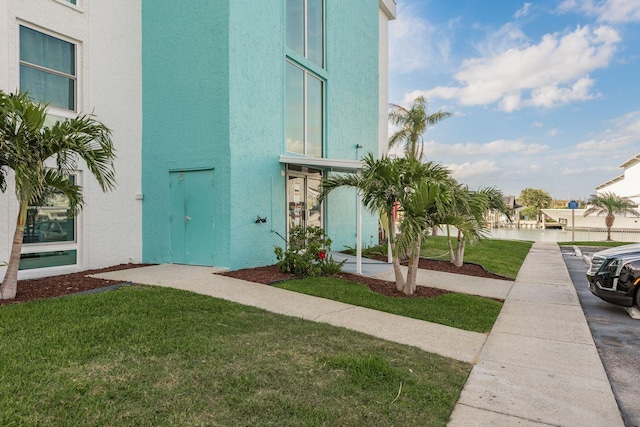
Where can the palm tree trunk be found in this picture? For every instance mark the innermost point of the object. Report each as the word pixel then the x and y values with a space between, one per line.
pixel 460 254
pixel 414 262
pixel 609 223
pixel 459 251
pixel 396 261
pixel 9 286
pixel 452 259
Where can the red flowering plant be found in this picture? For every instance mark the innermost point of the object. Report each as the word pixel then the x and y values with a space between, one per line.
pixel 307 253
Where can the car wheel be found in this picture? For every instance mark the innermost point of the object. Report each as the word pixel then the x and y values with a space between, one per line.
pixel 637 298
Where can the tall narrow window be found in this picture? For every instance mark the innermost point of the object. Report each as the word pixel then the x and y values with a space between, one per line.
pixel 305 29
pixel 304 112
pixel 48 69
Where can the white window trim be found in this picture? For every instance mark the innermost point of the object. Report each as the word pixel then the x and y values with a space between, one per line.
pixel 56 246
pixel 305 114
pixel 56 111
pixel 77 7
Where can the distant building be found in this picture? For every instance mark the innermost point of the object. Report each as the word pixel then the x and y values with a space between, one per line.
pixel 627 184
pixel 497 219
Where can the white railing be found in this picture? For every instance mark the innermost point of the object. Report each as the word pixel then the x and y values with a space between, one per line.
pixel 557 235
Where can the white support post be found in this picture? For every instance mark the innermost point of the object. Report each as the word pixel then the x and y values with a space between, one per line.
pixel 359 232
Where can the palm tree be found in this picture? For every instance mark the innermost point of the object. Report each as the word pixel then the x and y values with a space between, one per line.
pixel 26 143
pixel 412 123
pixel 380 185
pixel 610 204
pixel 468 215
pixel 385 183
pixel 422 204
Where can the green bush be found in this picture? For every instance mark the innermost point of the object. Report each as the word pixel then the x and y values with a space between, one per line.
pixel 307 253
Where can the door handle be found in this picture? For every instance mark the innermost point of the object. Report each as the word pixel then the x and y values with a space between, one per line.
pixel 187 218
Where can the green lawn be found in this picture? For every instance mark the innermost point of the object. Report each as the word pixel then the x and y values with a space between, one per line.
pixel 460 311
pixel 502 257
pixel 157 356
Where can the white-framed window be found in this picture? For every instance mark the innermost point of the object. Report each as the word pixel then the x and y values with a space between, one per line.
pixel 305 29
pixel 304 111
pixel 305 77
pixel 50 235
pixel 48 69
pixel 72 4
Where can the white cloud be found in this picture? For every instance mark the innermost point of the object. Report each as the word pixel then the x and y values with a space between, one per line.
pixel 413 41
pixel 550 73
pixel 552 132
pixel 538 124
pixel 619 141
pixel 500 146
pixel 606 11
pixel 509 36
pixel 524 11
pixel 463 171
pixel 587 171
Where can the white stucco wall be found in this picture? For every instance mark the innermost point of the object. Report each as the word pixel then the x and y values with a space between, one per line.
pixel 108 40
pixel 627 187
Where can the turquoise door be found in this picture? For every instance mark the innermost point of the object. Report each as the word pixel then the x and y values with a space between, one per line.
pixel 192 217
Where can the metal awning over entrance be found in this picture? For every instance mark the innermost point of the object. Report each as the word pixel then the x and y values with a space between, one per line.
pixel 335 165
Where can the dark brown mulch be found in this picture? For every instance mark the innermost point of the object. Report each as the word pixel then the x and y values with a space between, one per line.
pixel 270 274
pixel 468 269
pixel 55 286
pixel 65 284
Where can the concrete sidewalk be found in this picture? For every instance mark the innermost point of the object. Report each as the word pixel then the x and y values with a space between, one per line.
pixel 539 366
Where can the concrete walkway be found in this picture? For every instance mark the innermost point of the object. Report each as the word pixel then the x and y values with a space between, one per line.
pixel 539 366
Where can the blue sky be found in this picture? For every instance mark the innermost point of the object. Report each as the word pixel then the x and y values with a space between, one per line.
pixel 545 94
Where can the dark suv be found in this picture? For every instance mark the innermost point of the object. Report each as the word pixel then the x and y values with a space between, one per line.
pixel 617 279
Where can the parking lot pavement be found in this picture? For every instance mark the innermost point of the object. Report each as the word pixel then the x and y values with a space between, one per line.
pixel 617 337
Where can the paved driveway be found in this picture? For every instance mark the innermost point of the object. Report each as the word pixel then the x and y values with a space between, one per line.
pixel 617 337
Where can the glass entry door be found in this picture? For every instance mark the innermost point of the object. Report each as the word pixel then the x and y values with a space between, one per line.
pixel 303 207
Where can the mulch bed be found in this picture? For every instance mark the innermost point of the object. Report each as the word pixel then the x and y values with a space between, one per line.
pixel 65 284
pixel 270 274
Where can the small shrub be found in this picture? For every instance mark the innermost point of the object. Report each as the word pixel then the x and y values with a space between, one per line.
pixel 306 254
pixel 330 267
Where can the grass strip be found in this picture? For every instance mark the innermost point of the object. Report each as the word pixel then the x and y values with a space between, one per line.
pixel 460 311
pixel 501 257
pixel 156 356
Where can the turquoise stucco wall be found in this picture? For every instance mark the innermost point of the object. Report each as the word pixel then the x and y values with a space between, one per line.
pixel 256 107
pixel 185 113
pixel 213 96
pixel 352 106
pixel 257 52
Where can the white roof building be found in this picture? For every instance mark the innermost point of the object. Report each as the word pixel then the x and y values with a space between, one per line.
pixel 627 184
